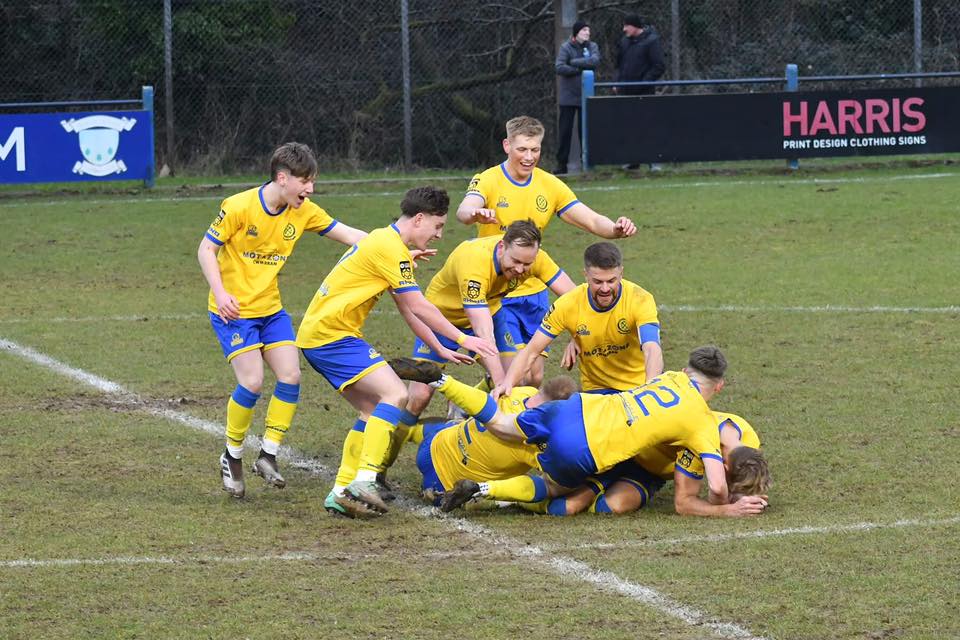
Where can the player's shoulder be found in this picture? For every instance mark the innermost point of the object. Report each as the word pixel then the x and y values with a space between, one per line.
pixel 748 435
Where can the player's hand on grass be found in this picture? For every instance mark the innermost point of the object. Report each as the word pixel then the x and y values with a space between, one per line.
pixel 484 216
pixel 481 346
pixel 422 254
pixel 624 227
pixel 227 307
pixel 748 506
pixel 570 355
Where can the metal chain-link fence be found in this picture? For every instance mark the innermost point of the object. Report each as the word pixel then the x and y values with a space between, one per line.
pixel 248 74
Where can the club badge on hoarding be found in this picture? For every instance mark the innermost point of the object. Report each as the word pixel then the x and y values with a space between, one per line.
pixel 99 138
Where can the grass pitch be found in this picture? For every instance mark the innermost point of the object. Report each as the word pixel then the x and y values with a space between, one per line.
pixel 833 295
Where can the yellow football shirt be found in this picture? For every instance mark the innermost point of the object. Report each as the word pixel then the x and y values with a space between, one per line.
pixel 542 196
pixel 471 277
pixel 668 410
pixel 255 244
pixel 609 339
pixel 691 464
pixel 378 262
pixel 468 451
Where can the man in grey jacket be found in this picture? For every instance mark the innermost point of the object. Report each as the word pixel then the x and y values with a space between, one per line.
pixel 576 54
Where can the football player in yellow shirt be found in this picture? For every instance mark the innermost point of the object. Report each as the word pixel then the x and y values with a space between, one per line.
pixel 517 189
pixel 630 485
pixel 240 255
pixel 613 324
pixel 588 433
pixel 331 340
pixel 470 287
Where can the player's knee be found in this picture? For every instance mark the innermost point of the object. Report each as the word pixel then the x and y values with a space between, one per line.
pixel 252 382
pixel 291 376
pixel 620 503
pixel 397 397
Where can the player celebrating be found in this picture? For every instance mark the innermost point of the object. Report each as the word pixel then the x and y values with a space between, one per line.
pixel 240 256
pixel 331 339
pixel 517 189
pixel 613 324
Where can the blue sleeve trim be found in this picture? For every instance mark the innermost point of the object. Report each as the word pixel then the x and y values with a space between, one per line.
pixel 567 207
pixel 219 243
pixel 689 474
pixel 558 274
pixel 489 410
pixel 712 456
pixel 329 226
pixel 406 289
pixel 546 333
pixel 476 306
pixel 650 332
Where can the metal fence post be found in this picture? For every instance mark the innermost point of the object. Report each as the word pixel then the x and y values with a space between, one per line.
pixel 918 40
pixel 151 179
pixel 587 92
pixel 407 104
pixel 793 83
pixel 168 80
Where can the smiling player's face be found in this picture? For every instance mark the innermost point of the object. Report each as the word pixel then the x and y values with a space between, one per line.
pixel 603 284
pixel 295 190
pixel 523 154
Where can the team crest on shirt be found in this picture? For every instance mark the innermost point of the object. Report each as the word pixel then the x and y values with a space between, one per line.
pixel 373 353
pixel 582 330
pixel 541 204
pixel 513 284
pixel 686 459
pixel 219 218
pixel 289 232
pixel 622 326
pixel 473 289
pixel 252 231
pixel 406 270
pixel 502 202
pixel 236 340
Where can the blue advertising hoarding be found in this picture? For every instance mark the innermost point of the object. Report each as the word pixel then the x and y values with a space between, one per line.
pixel 72 147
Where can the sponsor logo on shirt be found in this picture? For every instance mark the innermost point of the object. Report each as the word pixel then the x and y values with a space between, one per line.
pixel 473 289
pixel 502 202
pixel 252 231
pixel 406 270
pixel 219 218
pixel 269 259
pixel 686 459
pixel 606 350
pixel 582 330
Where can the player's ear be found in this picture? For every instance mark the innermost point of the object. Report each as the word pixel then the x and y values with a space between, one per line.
pixel 506 145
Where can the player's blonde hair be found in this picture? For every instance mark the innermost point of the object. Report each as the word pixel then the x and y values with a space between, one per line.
pixel 559 388
pixel 747 472
pixel 524 126
pixel 294 158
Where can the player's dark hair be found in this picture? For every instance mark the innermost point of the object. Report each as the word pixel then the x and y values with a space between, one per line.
pixel 602 255
pixel 709 361
pixel 294 158
pixel 524 126
pixel 427 200
pixel 559 388
pixel 747 472
pixel 522 233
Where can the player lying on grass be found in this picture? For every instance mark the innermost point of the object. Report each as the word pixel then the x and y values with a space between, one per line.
pixel 587 434
pixel 631 484
pixel 331 339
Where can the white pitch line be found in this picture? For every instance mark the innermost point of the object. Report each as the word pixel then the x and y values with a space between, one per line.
pixel 21 203
pixel 666 308
pixel 856 527
pixel 564 566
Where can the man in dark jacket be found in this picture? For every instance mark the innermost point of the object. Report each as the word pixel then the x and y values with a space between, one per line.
pixel 576 54
pixel 639 56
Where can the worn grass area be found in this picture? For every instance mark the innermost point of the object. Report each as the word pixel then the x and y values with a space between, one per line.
pixel 851 392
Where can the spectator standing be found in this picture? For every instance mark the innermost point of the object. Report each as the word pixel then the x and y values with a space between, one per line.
pixel 575 55
pixel 639 56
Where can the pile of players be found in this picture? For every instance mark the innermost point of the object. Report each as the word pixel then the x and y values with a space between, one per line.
pixel 606 448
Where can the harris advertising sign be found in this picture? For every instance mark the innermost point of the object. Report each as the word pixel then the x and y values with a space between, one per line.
pixel 70 147
pixel 772 125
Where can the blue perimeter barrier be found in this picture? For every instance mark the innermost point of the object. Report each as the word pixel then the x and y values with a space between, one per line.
pixel 44 149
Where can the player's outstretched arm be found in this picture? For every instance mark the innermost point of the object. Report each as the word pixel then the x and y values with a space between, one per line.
pixel 652 360
pixel 583 217
pixel 431 316
pixel 482 324
pixel 346 234
pixel 473 210
pixel 423 332
pixel 520 363
pixel 227 306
